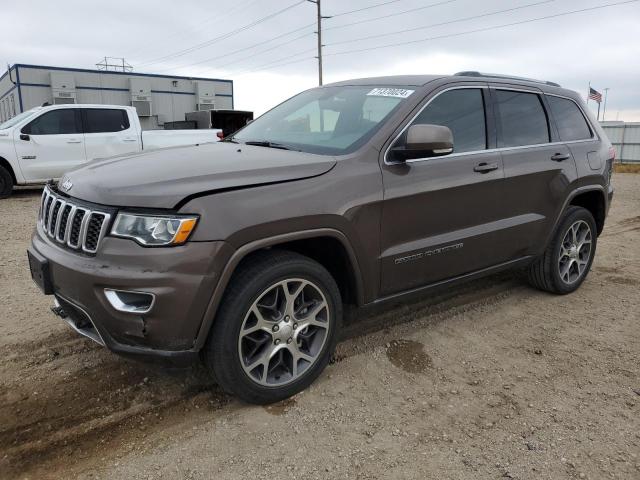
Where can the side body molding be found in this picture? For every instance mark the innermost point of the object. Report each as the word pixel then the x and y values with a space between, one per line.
pixel 239 254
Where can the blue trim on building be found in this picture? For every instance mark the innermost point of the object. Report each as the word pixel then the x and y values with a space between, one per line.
pixel 171 93
pixel 85 70
pixel 19 90
pixel 109 89
pixel 168 92
pixel 232 107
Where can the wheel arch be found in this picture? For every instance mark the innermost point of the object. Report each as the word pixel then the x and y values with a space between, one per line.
pixel 594 201
pixel 5 163
pixel 339 259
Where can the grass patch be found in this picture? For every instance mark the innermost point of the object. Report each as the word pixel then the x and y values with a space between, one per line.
pixel 626 167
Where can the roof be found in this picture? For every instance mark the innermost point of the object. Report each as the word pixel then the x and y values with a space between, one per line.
pixel 399 80
pixel 421 80
pixel 110 72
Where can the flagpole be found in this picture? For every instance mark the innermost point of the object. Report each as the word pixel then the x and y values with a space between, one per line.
pixel 588 92
pixel 604 109
pixel 598 115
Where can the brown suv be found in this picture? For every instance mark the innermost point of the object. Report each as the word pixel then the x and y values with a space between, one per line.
pixel 245 252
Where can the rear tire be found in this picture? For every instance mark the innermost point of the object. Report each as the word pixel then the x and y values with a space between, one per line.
pixel 6 182
pixel 565 263
pixel 276 328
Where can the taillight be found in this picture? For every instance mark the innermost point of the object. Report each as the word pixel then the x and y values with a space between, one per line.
pixel 610 160
pixel 220 135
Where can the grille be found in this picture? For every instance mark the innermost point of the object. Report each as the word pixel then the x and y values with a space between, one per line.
pixel 70 224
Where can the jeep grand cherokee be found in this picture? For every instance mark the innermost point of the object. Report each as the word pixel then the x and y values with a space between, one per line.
pixel 244 252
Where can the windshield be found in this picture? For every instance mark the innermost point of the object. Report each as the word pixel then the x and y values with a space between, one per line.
pixel 18 118
pixel 328 120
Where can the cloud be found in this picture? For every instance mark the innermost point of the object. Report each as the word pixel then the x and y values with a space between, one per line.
pixel 598 46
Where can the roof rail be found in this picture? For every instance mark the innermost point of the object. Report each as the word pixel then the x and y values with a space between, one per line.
pixel 472 73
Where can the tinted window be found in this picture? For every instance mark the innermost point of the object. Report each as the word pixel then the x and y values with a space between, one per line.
pixel 462 110
pixel 521 119
pixel 569 119
pixel 101 120
pixel 56 122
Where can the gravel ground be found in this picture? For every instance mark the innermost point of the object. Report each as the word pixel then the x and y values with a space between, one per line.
pixel 490 380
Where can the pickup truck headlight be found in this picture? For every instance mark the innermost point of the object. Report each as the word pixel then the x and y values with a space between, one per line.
pixel 154 230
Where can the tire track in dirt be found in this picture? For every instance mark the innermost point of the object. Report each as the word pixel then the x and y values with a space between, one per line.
pixel 73 395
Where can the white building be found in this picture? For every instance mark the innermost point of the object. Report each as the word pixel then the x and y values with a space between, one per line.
pixel 157 98
pixel 625 137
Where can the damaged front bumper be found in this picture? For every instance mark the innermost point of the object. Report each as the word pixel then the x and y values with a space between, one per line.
pixel 179 280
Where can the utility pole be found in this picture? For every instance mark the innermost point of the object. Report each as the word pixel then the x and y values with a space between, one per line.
pixel 319 33
pixel 604 109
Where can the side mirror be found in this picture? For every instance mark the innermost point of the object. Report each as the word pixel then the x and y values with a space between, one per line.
pixel 25 137
pixel 424 141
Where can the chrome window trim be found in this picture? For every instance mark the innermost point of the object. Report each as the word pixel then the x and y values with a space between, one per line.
pixel 487 150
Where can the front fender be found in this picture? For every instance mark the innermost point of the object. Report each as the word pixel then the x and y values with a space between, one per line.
pixel 239 254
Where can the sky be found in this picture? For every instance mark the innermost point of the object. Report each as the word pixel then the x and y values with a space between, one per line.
pixel 268 47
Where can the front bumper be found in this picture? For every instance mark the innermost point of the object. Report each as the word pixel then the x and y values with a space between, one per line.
pixel 182 279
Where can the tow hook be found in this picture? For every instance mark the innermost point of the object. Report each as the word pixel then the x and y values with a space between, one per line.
pixel 59 311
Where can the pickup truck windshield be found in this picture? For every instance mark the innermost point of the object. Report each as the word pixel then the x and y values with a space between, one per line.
pixel 328 120
pixel 18 118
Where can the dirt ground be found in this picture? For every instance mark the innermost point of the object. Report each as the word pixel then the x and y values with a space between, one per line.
pixel 489 380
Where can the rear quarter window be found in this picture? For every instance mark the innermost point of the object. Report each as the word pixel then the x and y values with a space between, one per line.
pixel 103 120
pixel 569 119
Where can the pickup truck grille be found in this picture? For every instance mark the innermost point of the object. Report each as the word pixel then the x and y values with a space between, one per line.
pixel 70 224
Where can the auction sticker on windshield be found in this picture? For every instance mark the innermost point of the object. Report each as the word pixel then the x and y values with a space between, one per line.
pixel 390 92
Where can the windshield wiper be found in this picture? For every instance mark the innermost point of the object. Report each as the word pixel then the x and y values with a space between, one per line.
pixel 268 144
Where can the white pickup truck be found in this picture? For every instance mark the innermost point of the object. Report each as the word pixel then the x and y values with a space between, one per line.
pixel 42 143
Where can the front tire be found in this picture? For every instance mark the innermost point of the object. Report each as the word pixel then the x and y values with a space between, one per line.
pixel 276 328
pixel 567 260
pixel 6 183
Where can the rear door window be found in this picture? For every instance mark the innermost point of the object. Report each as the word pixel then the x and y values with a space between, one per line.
pixel 521 119
pixel 56 122
pixel 104 120
pixel 569 119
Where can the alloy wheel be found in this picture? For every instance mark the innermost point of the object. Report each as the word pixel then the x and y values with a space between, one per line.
pixel 575 252
pixel 284 332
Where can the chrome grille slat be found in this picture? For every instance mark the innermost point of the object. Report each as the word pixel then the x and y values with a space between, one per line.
pixel 71 225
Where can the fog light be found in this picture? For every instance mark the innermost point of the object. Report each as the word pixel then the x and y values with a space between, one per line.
pixel 130 301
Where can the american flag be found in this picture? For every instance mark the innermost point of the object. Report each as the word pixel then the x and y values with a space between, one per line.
pixel 595 95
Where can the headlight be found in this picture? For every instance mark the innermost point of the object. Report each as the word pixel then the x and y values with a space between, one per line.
pixel 154 230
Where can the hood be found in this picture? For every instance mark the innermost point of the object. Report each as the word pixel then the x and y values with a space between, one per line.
pixel 162 178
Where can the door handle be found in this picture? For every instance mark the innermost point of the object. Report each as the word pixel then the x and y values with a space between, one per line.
pixel 130 140
pixel 559 157
pixel 485 167
pixel 74 141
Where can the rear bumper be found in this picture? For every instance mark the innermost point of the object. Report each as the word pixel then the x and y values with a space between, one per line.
pixel 181 279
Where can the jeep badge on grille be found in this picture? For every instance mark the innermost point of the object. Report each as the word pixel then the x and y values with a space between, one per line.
pixel 65 184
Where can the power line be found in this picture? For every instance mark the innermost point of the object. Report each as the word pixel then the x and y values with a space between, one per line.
pixel 228 54
pixel 365 8
pixel 223 36
pixel 367 20
pixel 482 29
pixel 274 66
pixel 260 67
pixel 440 24
pixel 181 33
